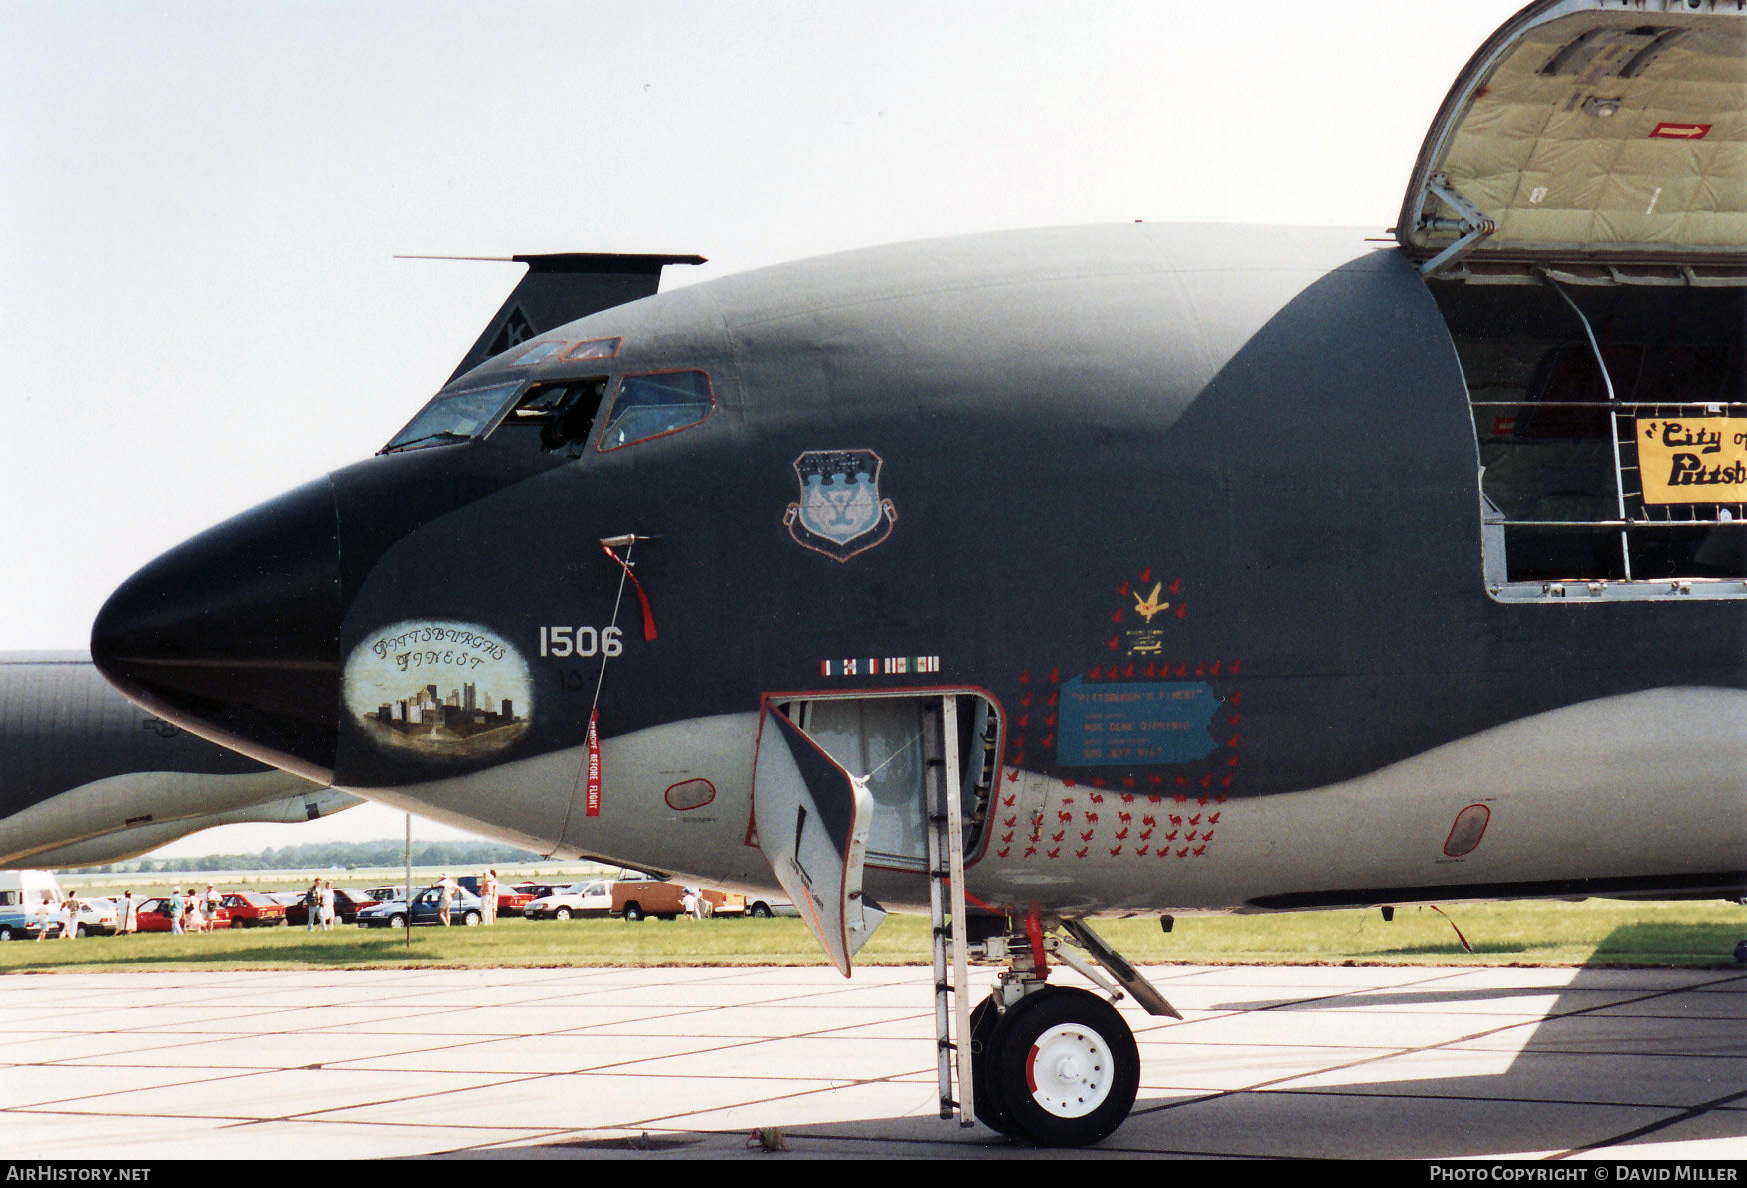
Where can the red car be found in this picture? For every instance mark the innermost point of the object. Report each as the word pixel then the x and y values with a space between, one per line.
pixel 154 916
pixel 251 909
pixel 347 901
pixel 510 900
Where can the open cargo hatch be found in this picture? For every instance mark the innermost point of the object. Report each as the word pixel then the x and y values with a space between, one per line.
pixel 1598 131
pixel 1579 212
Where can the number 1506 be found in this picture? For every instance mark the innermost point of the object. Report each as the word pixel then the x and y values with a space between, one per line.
pixel 581 641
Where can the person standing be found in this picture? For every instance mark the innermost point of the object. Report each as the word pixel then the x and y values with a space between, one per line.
pixel 69 918
pixel 327 906
pixel 213 902
pixel 488 893
pixel 196 917
pixel 445 898
pixel 127 914
pixel 312 906
pixel 176 909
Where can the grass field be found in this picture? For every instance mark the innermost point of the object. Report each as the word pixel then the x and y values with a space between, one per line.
pixel 1595 932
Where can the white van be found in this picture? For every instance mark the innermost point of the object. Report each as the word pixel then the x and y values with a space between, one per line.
pixel 23 895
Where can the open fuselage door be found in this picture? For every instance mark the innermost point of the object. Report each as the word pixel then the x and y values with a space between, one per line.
pixel 1579 212
pixel 1588 130
pixel 813 819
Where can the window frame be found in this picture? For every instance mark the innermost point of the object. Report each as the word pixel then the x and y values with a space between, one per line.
pixel 515 388
pixel 611 404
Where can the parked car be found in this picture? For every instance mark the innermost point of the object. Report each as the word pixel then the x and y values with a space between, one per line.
pixel 538 890
pixel 20 923
pixel 96 917
pixel 154 916
pixel 764 909
pixel 579 899
pixel 23 896
pixel 465 908
pixel 510 900
pixel 253 909
pixel 637 895
pixel 348 902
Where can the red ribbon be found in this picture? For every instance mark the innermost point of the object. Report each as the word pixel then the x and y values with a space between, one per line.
pixel 648 614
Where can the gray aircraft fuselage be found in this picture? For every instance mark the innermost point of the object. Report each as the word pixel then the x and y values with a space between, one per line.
pixel 1192 513
pixel 87 778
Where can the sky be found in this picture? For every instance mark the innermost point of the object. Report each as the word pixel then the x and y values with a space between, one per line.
pixel 202 203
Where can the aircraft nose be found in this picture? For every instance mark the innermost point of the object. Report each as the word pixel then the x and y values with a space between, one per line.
pixel 235 634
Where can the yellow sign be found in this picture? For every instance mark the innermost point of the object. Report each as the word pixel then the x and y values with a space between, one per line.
pixel 1693 459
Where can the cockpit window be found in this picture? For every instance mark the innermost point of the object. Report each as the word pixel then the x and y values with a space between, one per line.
pixel 556 416
pixel 538 353
pixel 599 348
pixel 651 405
pixel 453 416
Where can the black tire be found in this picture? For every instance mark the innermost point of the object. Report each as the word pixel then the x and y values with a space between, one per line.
pixel 990 1112
pixel 5 934
pixel 562 913
pixel 1064 1067
pixel 81 932
pixel 759 911
pixel 469 919
pixel 633 911
pixel 397 921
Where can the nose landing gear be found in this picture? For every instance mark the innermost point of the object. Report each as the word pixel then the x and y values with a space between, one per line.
pixel 1060 1069
pixel 1055 1065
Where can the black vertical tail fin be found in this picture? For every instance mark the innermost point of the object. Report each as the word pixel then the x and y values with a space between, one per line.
pixel 561 288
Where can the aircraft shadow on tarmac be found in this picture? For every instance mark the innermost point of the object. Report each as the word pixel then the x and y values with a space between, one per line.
pixel 1618 1059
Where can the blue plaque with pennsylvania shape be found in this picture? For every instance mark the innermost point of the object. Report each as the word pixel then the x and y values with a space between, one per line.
pixel 1135 724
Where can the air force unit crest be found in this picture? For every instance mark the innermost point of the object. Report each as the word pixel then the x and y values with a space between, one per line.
pixel 840 512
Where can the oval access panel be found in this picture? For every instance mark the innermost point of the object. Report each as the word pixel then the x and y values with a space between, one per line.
pixel 690 795
pixel 1469 828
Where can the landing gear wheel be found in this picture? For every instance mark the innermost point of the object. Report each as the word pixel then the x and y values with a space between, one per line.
pixel 1065 1067
pixel 990 1111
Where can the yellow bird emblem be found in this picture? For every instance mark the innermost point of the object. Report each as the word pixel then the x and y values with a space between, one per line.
pixel 1150 605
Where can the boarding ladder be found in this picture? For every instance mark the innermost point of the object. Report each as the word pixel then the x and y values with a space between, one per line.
pixel 946 903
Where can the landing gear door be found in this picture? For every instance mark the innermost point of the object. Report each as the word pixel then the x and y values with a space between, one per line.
pixel 813 818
